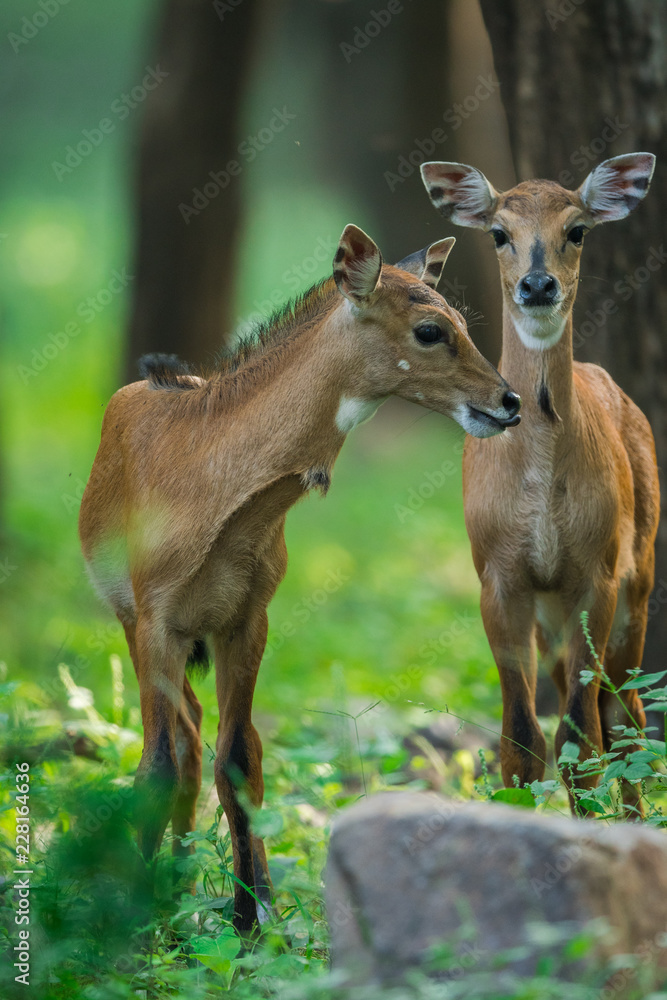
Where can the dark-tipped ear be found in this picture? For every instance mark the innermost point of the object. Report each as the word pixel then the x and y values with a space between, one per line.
pixel 436 256
pixel 414 263
pixel 357 265
pixel 615 187
pixel 427 264
pixel 460 193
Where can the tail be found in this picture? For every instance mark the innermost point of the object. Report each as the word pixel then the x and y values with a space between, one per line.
pixel 166 371
pixel 199 660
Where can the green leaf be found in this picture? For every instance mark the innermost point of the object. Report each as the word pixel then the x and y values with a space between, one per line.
pixel 569 753
pixel 218 953
pixel 586 676
pixel 592 805
pixel 615 770
pixel 285 966
pixel 657 693
pixel 515 797
pixel 643 681
pixel 656 706
pixel 642 757
pixel 636 772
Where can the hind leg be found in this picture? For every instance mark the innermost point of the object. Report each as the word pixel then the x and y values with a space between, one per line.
pixel 238 762
pixel 159 658
pixel 189 753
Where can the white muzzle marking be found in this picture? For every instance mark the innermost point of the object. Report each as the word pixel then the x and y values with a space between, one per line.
pixel 539 327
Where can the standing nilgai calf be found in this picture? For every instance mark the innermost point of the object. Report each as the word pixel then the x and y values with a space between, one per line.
pixel 182 519
pixel 562 512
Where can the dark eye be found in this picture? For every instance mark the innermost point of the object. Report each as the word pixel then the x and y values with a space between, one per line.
pixel 499 237
pixel 428 333
pixel 576 235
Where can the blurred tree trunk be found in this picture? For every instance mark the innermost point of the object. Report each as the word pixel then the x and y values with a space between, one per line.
pixel 387 102
pixel 582 82
pixel 187 243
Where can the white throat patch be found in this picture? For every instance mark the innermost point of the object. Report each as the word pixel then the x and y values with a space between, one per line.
pixel 353 411
pixel 540 332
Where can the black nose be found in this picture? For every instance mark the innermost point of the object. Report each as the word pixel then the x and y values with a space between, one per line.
pixel 538 289
pixel 512 403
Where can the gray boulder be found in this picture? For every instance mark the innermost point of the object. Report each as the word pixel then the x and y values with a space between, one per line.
pixel 409 871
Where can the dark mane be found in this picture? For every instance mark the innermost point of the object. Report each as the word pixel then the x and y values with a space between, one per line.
pixel 290 320
pixel 253 351
pixel 166 371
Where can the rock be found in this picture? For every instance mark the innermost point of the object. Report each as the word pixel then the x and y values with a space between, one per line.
pixel 407 871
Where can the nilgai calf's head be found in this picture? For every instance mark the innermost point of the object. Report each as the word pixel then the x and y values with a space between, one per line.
pixel 416 345
pixel 539 228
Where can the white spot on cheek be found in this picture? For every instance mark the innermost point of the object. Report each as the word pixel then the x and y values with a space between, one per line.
pixel 404 365
pixel 353 411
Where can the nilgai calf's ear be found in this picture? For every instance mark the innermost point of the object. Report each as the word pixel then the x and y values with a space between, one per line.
pixel 427 264
pixel 357 265
pixel 436 256
pixel 615 187
pixel 460 193
pixel 414 263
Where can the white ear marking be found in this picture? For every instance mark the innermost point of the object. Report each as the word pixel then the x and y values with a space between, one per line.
pixel 357 265
pixel 614 188
pixel 436 258
pixel 461 193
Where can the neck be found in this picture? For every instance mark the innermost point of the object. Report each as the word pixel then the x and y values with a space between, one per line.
pixel 541 376
pixel 295 418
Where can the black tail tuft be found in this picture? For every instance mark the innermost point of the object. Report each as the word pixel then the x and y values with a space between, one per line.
pixel 199 660
pixel 166 371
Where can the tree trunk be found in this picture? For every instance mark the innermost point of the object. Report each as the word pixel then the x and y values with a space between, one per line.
pixel 387 98
pixel 582 82
pixel 187 244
